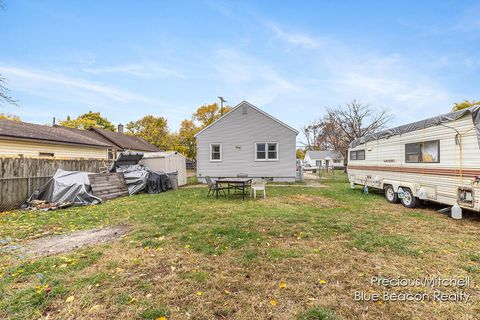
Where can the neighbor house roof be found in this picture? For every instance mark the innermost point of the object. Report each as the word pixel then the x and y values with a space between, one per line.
pixel 325 154
pixel 42 133
pixel 251 106
pixel 125 141
pixel 89 134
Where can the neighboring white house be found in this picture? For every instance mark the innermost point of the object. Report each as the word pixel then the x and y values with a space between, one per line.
pixel 249 141
pixel 167 161
pixel 327 158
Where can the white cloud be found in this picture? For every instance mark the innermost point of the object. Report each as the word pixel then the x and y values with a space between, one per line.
pixel 138 70
pixel 29 79
pixel 248 77
pixel 294 39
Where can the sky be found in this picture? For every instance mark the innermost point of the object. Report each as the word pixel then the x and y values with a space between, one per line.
pixel 293 59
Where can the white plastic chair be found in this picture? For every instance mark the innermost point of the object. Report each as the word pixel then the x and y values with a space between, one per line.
pixel 259 185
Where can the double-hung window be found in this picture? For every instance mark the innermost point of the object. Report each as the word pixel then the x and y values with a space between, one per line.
pixel 215 152
pixel 266 151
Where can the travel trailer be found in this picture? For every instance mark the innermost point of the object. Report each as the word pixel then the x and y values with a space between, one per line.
pixel 436 159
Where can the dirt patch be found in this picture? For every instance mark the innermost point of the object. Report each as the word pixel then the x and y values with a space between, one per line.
pixel 52 245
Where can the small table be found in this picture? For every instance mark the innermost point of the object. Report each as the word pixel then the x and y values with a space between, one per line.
pixel 233 183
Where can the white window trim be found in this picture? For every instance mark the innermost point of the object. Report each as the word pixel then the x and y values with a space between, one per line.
pixel 221 149
pixel 266 151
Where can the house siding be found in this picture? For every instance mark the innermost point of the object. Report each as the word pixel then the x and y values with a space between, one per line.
pixel 237 133
pixel 312 162
pixel 33 149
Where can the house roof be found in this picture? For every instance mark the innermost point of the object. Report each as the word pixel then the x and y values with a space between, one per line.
pixel 125 141
pixel 29 131
pixel 333 154
pixel 251 106
pixel 89 134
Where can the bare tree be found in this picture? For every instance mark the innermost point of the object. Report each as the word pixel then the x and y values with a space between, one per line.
pixel 4 94
pixel 356 120
pixel 323 134
pixel 310 132
pixel 342 125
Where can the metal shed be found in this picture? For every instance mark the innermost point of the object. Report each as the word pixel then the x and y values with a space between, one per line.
pixel 167 161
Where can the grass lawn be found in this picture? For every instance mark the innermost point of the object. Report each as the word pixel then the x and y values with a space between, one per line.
pixel 299 254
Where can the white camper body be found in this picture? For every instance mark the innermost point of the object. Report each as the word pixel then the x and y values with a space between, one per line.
pixel 437 159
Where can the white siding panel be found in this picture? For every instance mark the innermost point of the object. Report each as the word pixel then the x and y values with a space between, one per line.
pixel 238 133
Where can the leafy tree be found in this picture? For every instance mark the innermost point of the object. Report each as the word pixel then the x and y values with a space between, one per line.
pixel 9 116
pixel 208 113
pixel 186 138
pixel 300 154
pixel 464 105
pixel 153 129
pixel 87 120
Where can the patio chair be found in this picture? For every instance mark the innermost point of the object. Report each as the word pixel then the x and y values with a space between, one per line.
pixel 241 175
pixel 259 185
pixel 212 186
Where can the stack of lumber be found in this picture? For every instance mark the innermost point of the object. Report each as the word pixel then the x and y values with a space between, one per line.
pixel 109 185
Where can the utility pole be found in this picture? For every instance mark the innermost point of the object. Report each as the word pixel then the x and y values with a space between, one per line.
pixel 222 100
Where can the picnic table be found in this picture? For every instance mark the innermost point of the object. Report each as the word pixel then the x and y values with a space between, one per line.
pixel 233 183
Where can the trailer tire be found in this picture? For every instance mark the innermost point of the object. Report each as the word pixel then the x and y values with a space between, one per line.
pixel 409 200
pixel 390 194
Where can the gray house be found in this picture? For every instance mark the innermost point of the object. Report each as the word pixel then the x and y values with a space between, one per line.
pixel 249 141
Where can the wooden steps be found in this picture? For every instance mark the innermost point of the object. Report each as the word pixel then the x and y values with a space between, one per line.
pixel 109 185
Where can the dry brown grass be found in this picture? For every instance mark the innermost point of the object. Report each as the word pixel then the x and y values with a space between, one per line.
pixel 322 243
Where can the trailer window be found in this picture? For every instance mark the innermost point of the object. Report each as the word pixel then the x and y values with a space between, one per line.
pixel 361 155
pixel 357 155
pixel 423 152
pixel 353 155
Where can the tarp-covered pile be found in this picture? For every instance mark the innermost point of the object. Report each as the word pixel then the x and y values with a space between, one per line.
pixel 138 177
pixel 63 189
pixel 68 188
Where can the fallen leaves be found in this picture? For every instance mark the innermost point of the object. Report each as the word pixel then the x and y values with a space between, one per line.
pixel 282 285
pixel 273 302
pixel 70 299
pixel 95 308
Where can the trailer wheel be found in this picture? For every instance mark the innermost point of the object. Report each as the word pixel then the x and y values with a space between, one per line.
pixel 409 200
pixel 391 195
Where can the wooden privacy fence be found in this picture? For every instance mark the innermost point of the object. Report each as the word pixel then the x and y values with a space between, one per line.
pixel 20 177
